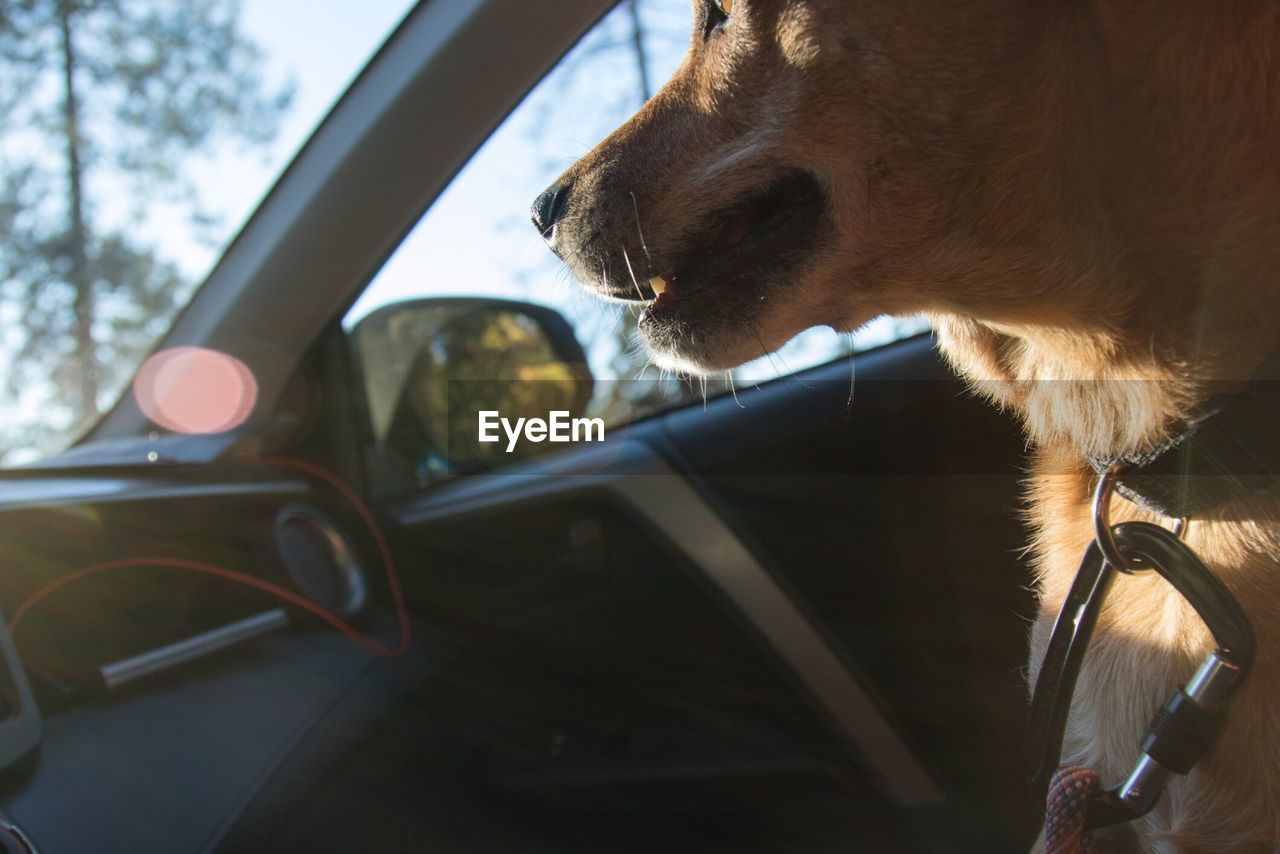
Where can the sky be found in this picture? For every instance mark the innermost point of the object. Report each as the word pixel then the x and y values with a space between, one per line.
pixel 319 45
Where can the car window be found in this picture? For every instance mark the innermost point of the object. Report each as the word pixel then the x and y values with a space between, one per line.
pixel 476 240
pixel 136 139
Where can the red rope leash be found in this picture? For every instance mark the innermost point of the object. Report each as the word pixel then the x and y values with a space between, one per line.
pixel 284 594
pixel 1069 793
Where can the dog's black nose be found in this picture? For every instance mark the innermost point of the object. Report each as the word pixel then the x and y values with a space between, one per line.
pixel 548 208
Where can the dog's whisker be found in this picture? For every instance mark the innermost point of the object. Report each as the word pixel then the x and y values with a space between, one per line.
pixel 635 206
pixel 728 376
pixel 790 373
pixel 848 407
pixel 632 272
pixel 764 351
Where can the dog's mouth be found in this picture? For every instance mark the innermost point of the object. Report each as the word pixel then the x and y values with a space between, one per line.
pixel 737 251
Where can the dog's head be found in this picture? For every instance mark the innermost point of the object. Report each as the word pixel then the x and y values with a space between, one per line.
pixel 803 167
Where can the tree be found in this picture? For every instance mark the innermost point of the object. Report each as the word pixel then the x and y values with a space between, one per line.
pixel 104 100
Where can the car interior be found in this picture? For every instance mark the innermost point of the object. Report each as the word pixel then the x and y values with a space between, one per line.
pixel 787 619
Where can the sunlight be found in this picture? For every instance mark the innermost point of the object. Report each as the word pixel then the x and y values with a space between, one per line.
pixel 195 390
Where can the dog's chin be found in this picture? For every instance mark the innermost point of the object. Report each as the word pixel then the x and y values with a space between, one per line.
pixel 694 354
pixel 733 293
pixel 707 339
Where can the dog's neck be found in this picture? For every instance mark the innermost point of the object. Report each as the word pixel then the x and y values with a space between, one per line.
pixel 1075 392
pixel 1162 286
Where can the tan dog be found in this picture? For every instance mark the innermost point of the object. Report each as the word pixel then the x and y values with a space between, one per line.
pixel 1085 198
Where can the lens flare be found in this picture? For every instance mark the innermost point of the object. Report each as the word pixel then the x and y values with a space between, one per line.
pixel 195 390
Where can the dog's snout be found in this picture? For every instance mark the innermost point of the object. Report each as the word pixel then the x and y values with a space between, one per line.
pixel 549 207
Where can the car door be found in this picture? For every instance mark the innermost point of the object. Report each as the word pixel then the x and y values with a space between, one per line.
pixel 786 619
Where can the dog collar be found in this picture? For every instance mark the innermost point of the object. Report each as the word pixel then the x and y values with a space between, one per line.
pixel 1229 449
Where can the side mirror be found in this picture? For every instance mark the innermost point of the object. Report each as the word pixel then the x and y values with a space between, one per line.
pixel 431 366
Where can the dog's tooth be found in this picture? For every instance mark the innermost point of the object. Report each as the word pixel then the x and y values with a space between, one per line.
pixel 658 284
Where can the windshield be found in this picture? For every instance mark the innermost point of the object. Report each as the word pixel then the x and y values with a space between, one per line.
pixel 138 136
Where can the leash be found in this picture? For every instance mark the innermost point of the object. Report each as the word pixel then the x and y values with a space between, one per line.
pixel 1183 730
pixel 1066 810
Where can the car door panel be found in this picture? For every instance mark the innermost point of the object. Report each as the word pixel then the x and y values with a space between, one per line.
pixel 785 510
pixel 893 515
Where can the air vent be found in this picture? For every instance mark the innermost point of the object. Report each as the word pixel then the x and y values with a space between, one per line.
pixel 320 559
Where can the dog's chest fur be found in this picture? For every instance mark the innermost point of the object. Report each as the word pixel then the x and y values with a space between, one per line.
pixel 1081 398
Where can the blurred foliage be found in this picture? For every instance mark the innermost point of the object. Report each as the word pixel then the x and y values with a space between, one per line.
pixel 103 100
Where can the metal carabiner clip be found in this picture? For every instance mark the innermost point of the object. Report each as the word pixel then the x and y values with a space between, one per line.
pixel 1102 534
pixel 1184 729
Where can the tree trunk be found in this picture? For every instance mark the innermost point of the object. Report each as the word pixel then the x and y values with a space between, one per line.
pixel 642 59
pixel 77 235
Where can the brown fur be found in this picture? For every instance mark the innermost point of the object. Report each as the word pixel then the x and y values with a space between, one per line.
pixel 1085 198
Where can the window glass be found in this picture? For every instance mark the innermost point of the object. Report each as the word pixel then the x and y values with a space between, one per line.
pixel 137 136
pixel 476 239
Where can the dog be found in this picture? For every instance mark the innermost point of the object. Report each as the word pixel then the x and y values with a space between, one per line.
pixel 1083 198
